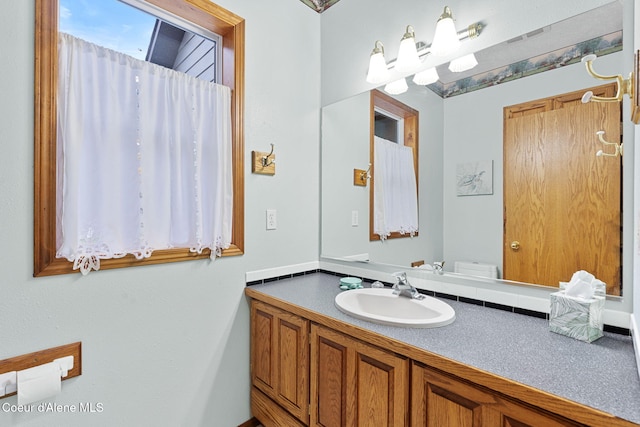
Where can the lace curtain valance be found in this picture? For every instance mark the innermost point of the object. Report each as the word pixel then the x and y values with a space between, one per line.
pixel 395 191
pixel 144 158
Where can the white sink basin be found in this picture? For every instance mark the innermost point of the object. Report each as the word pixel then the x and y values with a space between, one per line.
pixel 380 305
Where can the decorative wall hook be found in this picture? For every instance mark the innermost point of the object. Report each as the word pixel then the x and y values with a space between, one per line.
pixel 617 147
pixel 360 176
pixel 265 159
pixel 625 86
pixel 263 163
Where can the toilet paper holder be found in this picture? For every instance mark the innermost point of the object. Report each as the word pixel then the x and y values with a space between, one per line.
pixel 68 357
pixel 9 380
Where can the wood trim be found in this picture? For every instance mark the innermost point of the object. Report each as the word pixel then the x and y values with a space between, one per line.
pixel 556 102
pixel 41 357
pixel 253 422
pixel 270 415
pixel 515 390
pixel 635 89
pixel 411 139
pixel 201 12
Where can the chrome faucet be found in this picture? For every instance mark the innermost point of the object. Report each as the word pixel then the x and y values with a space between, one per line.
pixel 438 267
pixel 403 288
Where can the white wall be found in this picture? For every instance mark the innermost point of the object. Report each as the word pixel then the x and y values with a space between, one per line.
pixel 168 344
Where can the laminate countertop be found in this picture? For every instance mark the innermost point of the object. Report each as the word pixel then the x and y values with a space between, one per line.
pixel 602 374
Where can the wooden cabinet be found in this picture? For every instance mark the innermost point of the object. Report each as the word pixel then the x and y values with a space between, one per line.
pixel 356 384
pixel 279 362
pixel 439 399
pixel 311 370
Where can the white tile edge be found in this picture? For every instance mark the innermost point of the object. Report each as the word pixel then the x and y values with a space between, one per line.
pixel 251 276
pixel 635 337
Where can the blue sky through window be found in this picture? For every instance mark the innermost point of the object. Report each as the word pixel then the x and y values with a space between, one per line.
pixel 108 23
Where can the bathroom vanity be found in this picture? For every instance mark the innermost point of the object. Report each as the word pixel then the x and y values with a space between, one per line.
pixel 313 365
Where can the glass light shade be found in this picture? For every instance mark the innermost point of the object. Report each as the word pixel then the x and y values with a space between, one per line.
pixel 426 77
pixel 463 63
pixel 378 71
pixel 396 87
pixel 445 39
pixel 408 59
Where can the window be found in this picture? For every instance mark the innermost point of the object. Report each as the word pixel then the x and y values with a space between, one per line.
pixel 388 127
pixel 201 13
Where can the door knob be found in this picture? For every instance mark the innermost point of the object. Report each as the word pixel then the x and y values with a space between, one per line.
pixel 515 245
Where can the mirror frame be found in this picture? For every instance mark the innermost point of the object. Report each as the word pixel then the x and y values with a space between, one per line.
pixel 200 12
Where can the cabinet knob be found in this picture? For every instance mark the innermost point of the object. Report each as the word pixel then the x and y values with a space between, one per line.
pixel 515 245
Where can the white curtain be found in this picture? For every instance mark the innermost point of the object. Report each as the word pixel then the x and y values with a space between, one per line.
pixel 395 207
pixel 144 158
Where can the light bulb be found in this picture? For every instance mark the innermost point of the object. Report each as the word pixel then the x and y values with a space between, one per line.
pixel 426 77
pixel 378 71
pixel 463 63
pixel 445 39
pixel 396 87
pixel 408 59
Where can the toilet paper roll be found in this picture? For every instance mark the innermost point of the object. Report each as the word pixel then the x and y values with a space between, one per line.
pixel 39 382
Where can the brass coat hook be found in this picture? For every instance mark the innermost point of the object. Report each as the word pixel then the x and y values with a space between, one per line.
pixel 265 159
pixel 360 176
pixel 617 147
pixel 625 86
pixel 263 163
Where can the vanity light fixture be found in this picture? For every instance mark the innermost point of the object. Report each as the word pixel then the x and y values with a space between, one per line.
pixel 463 63
pixel 408 59
pixel 396 87
pixel 426 77
pixel 445 39
pixel 412 53
pixel 617 147
pixel 378 72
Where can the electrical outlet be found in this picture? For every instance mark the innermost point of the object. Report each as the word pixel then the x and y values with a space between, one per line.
pixel 354 218
pixel 272 220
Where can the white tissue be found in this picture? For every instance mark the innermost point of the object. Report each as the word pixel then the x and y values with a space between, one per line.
pixel 39 382
pixel 584 285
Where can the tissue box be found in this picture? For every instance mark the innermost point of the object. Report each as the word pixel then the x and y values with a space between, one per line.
pixel 576 317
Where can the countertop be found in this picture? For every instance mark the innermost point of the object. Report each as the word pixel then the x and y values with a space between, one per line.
pixel 602 374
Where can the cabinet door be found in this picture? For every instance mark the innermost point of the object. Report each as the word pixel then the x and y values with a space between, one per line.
pixel 280 357
pixel 442 400
pixel 356 384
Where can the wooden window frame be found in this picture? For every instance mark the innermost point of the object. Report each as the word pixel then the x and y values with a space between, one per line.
pixel 200 12
pixel 411 118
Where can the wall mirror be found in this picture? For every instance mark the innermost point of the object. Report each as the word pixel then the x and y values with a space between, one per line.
pixel 461 122
pixel 201 14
